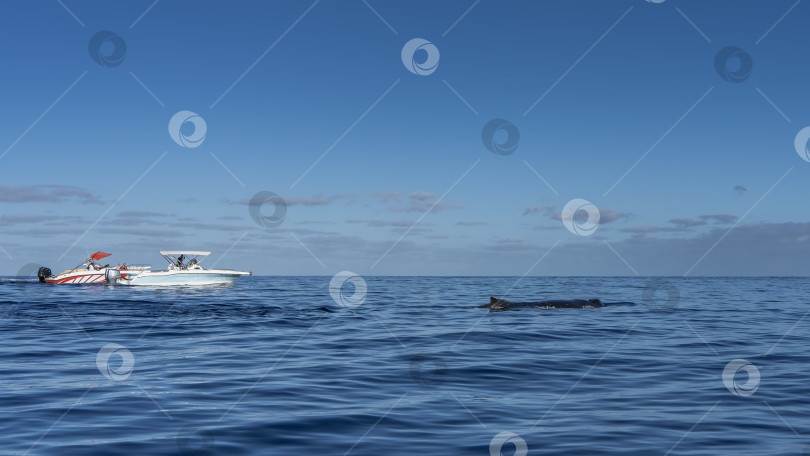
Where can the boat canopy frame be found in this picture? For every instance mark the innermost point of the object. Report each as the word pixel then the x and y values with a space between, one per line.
pixel 91 260
pixel 183 258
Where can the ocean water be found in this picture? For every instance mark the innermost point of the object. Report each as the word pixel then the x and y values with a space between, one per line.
pixel 273 365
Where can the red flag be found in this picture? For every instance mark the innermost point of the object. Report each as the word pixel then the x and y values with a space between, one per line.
pixel 99 255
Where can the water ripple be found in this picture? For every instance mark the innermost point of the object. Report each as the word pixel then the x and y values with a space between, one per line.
pixel 272 365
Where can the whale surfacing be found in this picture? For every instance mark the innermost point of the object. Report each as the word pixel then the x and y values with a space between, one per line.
pixel 497 304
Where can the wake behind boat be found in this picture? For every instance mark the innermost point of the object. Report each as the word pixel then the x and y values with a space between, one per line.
pixel 183 269
pixel 89 271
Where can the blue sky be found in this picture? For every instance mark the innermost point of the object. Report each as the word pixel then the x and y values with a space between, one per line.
pixel 591 86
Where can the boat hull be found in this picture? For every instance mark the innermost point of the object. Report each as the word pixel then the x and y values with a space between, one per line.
pixel 190 278
pixel 85 277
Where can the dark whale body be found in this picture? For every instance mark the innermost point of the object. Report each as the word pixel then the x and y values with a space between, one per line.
pixel 497 304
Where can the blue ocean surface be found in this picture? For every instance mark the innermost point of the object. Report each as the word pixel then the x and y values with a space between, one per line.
pixel 273 365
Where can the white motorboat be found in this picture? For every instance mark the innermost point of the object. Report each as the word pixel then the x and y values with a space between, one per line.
pixel 89 271
pixel 183 269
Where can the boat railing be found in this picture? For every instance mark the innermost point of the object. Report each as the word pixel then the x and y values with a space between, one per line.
pixel 138 266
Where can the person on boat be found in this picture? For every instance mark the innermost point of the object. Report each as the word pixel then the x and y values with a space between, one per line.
pixel 180 260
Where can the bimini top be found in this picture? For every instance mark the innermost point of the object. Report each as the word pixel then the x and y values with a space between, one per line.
pixel 185 252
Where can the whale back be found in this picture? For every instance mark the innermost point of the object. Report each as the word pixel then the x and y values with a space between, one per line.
pixel 496 304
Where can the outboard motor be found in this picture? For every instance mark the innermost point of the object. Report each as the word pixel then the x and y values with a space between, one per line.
pixel 43 273
pixel 112 276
